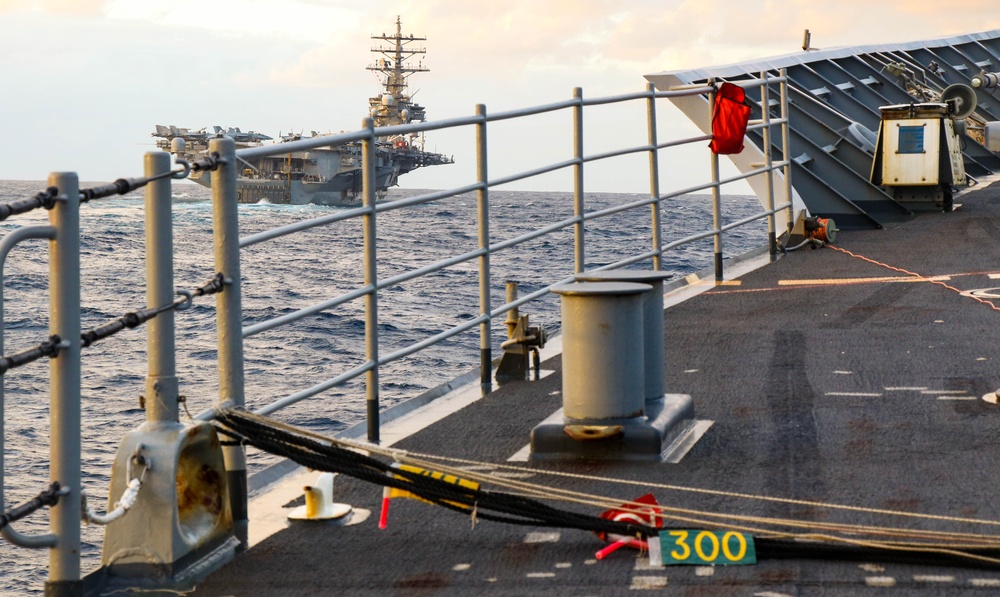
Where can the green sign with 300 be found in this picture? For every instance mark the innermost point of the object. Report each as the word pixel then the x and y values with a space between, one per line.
pixel 717 548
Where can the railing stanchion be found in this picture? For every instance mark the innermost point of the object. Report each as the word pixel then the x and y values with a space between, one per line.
pixel 785 151
pixel 485 307
pixel 229 306
pixel 716 199
pixel 579 253
pixel 654 177
pixel 64 371
pixel 765 109
pixel 161 378
pixel 371 279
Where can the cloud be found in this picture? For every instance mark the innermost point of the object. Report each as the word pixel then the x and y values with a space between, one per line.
pixel 261 63
pixel 67 7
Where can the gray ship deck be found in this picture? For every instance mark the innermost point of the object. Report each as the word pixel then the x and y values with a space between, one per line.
pixel 851 391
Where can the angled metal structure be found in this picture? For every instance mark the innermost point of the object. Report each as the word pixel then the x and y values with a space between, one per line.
pixel 834 101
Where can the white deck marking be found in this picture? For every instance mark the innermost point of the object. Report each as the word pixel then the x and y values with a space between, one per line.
pixel 645 583
pixel 836 281
pixel 843 372
pixel 905 389
pixel 461 567
pixel 540 575
pixel 956 398
pixel 880 581
pixel 704 570
pixel 872 567
pixel 642 563
pixel 932 578
pixel 541 537
pixel 985 582
pixel 936 392
pixel 855 394
pixel 563 565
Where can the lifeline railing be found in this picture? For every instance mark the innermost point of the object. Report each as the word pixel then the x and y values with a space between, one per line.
pixel 64 540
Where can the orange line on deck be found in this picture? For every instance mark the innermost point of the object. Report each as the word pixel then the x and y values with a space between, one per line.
pixel 802 283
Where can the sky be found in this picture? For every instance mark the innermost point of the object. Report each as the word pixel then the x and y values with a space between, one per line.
pixel 83 82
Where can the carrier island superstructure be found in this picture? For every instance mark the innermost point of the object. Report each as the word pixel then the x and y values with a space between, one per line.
pixel 329 175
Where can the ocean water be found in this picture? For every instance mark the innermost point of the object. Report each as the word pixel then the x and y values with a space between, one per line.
pixel 280 277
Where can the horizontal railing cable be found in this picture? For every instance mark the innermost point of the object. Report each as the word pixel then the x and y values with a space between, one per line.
pixel 141 316
pixel 46 199
pixel 48 497
pixel 133 319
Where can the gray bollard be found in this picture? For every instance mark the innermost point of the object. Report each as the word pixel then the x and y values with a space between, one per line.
pixel 609 408
pixel 652 321
pixel 602 351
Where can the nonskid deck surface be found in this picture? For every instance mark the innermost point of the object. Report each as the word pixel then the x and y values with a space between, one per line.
pixel 825 381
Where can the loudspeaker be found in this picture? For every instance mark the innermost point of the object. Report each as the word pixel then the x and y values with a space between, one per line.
pixel 961 99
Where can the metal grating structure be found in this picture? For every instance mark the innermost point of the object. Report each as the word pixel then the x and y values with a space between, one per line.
pixel 834 100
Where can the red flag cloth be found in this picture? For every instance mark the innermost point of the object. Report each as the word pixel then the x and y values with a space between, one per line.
pixel 729 119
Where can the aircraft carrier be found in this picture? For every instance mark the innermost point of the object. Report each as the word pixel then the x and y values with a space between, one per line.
pixel 323 175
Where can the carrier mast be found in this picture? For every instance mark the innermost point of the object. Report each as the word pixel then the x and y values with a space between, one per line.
pixel 394 106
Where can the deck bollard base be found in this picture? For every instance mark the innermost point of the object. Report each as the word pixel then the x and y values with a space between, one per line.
pixel 642 439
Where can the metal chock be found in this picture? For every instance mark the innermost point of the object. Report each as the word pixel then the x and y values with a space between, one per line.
pixel 319 502
pixel 523 340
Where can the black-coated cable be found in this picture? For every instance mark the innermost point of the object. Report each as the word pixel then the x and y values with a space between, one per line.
pixel 45 199
pixel 505 507
pixel 48 497
pixel 50 347
pixel 513 509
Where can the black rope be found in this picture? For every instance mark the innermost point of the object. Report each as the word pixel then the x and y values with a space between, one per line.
pixel 122 186
pixel 45 199
pixel 513 509
pixel 118 187
pixel 50 347
pixel 136 318
pixel 49 497
pixel 209 162
pixel 488 505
